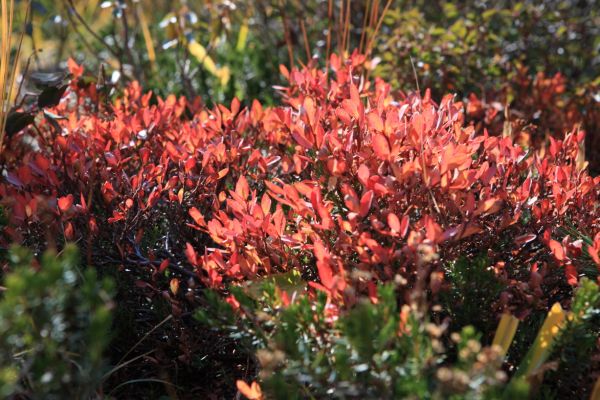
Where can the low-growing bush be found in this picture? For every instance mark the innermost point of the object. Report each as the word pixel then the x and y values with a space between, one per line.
pixel 347 186
pixel 376 350
pixel 55 325
pixel 526 63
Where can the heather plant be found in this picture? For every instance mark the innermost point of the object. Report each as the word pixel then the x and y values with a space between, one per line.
pixel 375 350
pixel 575 356
pixel 478 46
pixel 55 324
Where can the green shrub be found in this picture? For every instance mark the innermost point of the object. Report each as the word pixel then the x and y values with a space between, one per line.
pixel 55 324
pixel 572 356
pixel 478 46
pixel 370 351
pixel 308 349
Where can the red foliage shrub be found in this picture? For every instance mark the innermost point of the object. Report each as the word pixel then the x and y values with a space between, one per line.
pixel 344 183
pixel 530 109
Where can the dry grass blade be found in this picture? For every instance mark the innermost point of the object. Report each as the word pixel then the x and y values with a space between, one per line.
pixel 147 36
pixel 329 28
pixel 7 17
pixel 305 39
pixel 371 42
pixel 9 66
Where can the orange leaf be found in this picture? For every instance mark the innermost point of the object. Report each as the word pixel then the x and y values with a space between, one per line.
pixel 251 392
pixel 242 188
pixel 197 216
pixel 174 285
pixel 375 122
pixel 309 107
pixel 489 206
pixel 222 173
pixel 571 274
pixel 381 146
pixel 557 250
pixel 301 139
pixel 191 255
pixel 65 203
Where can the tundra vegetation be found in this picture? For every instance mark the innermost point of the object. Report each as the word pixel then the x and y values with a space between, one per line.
pixel 300 199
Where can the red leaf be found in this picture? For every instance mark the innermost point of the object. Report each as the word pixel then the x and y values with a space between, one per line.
pixel 153 198
pixel 320 251
pixel 83 203
pixel 363 175
pixel 571 274
pixel 191 255
pixel 117 216
pixel 351 108
pixel 557 250
pixel 593 252
pixel 325 274
pixel 317 203
pixel 375 122
pixel 69 231
pixel 164 265
pixel 523 239
pixel 432 229
pixel 301 139
pixel 365 203
pixel 404 225
pixel 65 203
pixel 372 288
pixel 393 222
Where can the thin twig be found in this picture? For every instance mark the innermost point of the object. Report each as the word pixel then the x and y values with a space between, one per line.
pixel 168 318
pixel 415 74
pixel 89 29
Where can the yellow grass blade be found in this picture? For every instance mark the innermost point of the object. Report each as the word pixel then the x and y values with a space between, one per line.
pixel 9 68
pixel 198 51
pixel 5 48
pixel 545 337
pixel 596 391
pixel 147 36
pixel 505 332
pixel 242 36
